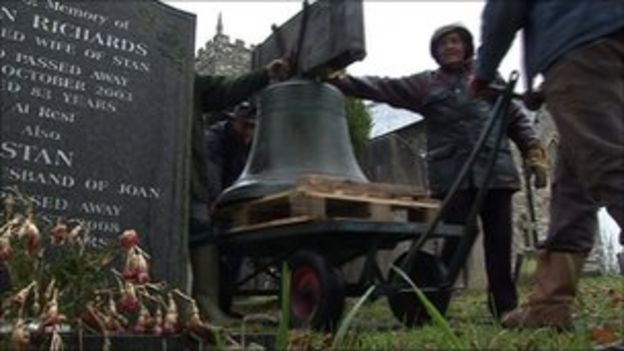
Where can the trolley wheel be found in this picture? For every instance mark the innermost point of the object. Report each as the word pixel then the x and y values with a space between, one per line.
pixel 428 271
pixel 317 292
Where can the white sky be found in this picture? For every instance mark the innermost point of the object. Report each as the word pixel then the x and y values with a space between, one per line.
pixel 397 32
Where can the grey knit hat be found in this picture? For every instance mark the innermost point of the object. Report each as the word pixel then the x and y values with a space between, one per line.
pixel 463 32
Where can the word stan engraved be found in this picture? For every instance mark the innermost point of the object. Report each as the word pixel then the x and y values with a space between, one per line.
pixel 125 62
pixel 11 150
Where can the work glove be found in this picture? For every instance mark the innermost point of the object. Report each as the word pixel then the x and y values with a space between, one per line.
pixel 533 100
pixel 536 163
pixel 279 69
pixel 331 75
pixel 476 85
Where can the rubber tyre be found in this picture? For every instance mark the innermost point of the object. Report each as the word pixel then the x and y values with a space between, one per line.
pixel 427 271
pixel 317 292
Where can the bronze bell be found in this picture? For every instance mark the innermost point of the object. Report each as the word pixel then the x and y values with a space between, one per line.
pixel 302 129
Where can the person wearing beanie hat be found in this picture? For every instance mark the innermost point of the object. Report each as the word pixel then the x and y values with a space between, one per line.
pixel 462 33
pixel 242 125
pixel 453 121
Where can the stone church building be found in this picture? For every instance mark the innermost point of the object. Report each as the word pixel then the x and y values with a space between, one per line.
pixel 223 56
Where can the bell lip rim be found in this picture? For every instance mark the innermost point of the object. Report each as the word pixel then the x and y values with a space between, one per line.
pixel 276 185
pixel 300 82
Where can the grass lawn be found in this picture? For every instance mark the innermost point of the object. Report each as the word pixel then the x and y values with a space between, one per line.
pixel 598 322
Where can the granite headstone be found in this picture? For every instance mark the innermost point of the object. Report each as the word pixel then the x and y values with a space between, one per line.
pixel 95 118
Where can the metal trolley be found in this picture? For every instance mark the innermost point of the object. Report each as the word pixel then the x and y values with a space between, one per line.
pixel 316 249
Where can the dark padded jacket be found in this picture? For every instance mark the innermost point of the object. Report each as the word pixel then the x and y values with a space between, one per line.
pixel 227 156
pixel 453 122
pixel 552 28
pixel 215 93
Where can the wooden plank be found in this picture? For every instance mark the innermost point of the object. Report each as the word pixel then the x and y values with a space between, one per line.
pixel 322 208
pixel 428 203
pixel 340 185
pixel 322 197
pixel 381 213
pixel 273 223
pixel 300 204
pixel 265 199
pixel 240 217
pixel 324 186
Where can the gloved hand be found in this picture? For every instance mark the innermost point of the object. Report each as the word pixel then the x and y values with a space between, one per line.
pixel 279 69
pixel 477 86
pixel 537 163
pixel 533 100
pixel 335 74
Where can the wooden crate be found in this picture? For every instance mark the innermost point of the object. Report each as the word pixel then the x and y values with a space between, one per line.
pixel 319 197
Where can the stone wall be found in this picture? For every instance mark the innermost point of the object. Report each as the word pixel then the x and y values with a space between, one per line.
pixel 398 157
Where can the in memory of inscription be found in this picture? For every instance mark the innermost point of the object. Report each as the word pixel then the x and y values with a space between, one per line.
pixel 96 100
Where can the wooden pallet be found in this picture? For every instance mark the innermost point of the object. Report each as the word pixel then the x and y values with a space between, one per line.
pixel 319 197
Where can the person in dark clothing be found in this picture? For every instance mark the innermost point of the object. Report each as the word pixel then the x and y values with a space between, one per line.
pixel 578 47
pixel 228 144
pixel 453 122
pixel 215 93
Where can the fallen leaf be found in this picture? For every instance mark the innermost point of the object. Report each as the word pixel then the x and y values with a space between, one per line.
pixel 604 335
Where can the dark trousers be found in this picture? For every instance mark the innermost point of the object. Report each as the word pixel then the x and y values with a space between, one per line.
pixel 496 221
pixel 585 95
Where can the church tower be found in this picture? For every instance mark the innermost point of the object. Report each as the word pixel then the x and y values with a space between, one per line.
pixel 220 56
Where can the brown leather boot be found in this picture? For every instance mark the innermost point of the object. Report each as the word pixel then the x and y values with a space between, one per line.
pixel 550 302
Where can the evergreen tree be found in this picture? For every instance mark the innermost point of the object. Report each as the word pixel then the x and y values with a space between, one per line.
pixel 359 122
